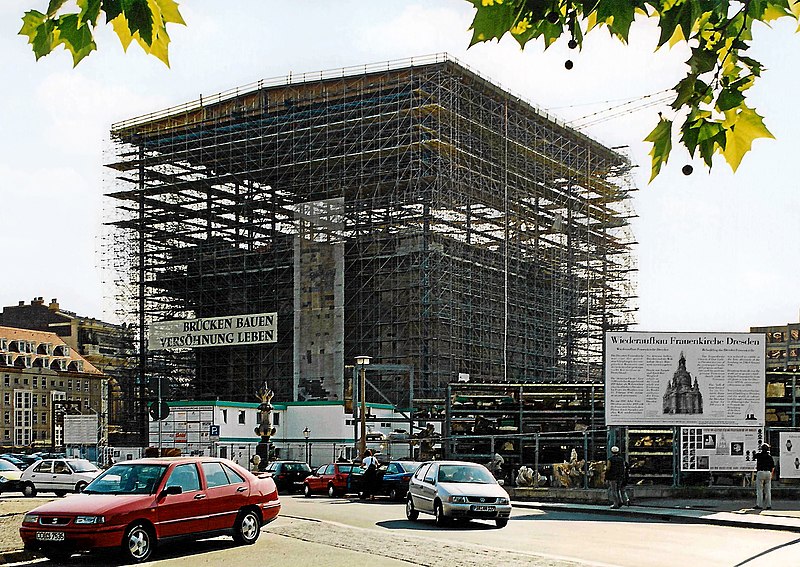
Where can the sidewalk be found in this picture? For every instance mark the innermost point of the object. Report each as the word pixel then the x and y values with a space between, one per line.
pixel 784 515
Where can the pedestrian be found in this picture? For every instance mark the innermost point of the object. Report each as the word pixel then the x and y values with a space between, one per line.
pixel 370 479
pixel 765 468
pixel 615 475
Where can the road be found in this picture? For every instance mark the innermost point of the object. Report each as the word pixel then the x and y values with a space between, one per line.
pixel 341 531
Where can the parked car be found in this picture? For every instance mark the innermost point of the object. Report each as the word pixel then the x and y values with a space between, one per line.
pixel 57 475
pixel 134 505
pixel 22 460
pixel 393 479
pixel 289 475
pixel 457 490
pixel 9 476
pixel 331 479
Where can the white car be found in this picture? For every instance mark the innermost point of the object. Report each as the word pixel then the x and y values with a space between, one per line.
pixel 457 490
pixel 57 475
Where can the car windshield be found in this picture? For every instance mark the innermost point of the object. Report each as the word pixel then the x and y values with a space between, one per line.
pixel 465 474
pixel 82 465
pixel 349 468
pixel 6 466
pixel 127 478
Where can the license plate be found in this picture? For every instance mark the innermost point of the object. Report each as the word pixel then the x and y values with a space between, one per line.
pixel 483 508
pixel 50 536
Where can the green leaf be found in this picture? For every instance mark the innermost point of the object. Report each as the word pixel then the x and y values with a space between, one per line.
pixel 620 13
pixel 681 14
pixel 492 22
pixel 702 61
pixel 54 6
pixel 729 98
pixel 90 11
pixel 112 9
pixel 661 138
pixel 746 127
pixel 75 37
pixel 140 19
pixel 31 22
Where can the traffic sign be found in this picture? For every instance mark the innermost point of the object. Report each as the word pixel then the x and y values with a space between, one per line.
pixel 159 411
pixel 213 431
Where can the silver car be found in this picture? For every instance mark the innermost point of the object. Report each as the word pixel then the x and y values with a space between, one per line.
pixel 57 475
pixel 457 490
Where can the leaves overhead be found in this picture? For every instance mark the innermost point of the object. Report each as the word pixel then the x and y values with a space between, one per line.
pixel 710 109
pixel 142 21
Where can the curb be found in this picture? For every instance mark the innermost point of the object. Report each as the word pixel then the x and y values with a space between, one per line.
pixel 665 515
pixel 15 556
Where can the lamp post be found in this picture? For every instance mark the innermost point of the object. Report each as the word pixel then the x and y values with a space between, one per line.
pixel 362 362
pixel 307 434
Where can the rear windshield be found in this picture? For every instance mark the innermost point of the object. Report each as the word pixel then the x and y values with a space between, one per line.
pixel 82 465
pixel 296 467
pixel 348 468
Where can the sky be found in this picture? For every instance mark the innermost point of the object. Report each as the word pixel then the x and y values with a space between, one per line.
pixel 715 251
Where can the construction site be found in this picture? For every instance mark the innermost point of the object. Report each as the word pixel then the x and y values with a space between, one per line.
pixel 412 211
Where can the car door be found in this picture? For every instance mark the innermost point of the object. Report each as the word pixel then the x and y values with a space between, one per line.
pixel 62 478
pixel 426 490
pixel 187 512
pixel 227 493
pixel 415 486
pixel 319 482
pixel 42 476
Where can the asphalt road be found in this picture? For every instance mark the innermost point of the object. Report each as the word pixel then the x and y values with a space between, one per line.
pixel 333 532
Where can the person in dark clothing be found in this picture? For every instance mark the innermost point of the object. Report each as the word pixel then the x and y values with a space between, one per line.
pixel 765 467
pixel 615 474
pixel 370 464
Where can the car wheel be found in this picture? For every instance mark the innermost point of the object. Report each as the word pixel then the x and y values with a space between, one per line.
pixel 394 494
pixel 247 528
pixel 306 491
pixel 60 493
pixel 331 491
pixel 501 522
pixel 411 512
pixel 29 490
pixel 80 486
pixel 138 543
pixel 438 514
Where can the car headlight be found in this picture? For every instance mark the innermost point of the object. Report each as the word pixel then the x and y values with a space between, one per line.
pixel 30 519
pixel 459 500
pixel 90 520
pixel 3 479
pixel 502 500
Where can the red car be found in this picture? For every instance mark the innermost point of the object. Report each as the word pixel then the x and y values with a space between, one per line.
pixel 332 479
pixel 136 504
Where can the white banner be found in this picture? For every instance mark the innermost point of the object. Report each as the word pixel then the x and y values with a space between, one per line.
pixel 80 429
pixel 789 454
pixel 714 379
pixel 214 332
pixel 720 449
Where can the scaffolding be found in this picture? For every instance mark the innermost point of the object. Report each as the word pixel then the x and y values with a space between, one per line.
pixel 413 211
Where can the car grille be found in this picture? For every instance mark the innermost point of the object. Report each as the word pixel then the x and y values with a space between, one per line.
pixel 482 499
pixel 54 521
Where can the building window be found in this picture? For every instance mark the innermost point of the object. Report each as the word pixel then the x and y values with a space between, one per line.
pixel 35 434
pixel 7 398
pixel 69 384
pixel 44 400
pixel 7 417
pixel 6 434
pixel 85 385
pixel 241 417
pixel 35 399
pixel 276 419
pixel 25 381
pixel 35 415
pixel 224 416
pixel 44 418
pixel 16 379
pixel 6 380
pixel 35 382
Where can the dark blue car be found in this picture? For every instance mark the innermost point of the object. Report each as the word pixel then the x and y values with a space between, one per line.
pixel 393 479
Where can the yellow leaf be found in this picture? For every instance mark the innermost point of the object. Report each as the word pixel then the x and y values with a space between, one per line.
pixel 120 25
pixel 677 37
pixel 773 12
pixel 739 137
pixel 169 11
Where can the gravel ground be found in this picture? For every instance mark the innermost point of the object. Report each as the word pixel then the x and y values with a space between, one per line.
pixel 12 508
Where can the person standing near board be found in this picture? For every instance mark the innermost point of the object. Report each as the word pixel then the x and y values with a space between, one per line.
pixel 765 468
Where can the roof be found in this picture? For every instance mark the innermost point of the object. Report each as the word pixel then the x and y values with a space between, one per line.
pixel 40 337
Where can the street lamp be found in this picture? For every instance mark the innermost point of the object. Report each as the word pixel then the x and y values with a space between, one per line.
pixel 307 434
pixel 362 362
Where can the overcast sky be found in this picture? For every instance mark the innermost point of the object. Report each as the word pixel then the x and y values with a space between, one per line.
pixel 716 252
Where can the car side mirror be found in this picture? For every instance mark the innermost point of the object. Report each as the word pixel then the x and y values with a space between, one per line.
pixel 172 489
pixel 501 482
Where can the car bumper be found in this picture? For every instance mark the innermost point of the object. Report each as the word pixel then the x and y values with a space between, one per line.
pixel 475 511
pixel 11 486
pixel 93 537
